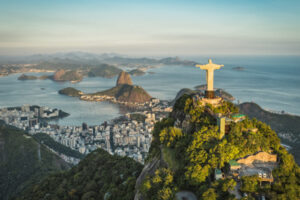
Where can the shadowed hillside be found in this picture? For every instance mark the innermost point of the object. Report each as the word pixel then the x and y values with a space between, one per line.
pixel 287 126
pixel 23 161
pixel 98 176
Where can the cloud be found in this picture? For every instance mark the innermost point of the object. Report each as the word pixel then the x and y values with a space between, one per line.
pixel 223 44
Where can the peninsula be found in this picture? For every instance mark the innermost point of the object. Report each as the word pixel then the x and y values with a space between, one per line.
pixel 60 76
pixel 123 93
pixel 24 77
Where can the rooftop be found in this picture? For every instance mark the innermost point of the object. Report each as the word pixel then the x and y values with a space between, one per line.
pixel 218 171
pixel 237 115
pixel 233 163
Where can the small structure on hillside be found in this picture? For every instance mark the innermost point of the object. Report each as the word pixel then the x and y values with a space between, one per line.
pixel 221 122
pixel 260 164
pixel 218 174
pixel 234 166
pixel 238 117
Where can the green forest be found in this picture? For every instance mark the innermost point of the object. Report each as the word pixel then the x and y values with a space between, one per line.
pixel 23 161
pixel 98 176
pixel 194 150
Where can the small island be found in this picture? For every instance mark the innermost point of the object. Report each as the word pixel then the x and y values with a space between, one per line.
pixel 25 77
pixel 136 72
pixel 69 91
pixel 239 68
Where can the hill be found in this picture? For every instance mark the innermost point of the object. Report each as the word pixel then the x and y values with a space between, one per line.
pixel 67 75
pixel 188 152
pixel 23 161
pixel 124 91
pixel 176 61
pixel 104 70
pixel 98 176
pixel 287 126
pixel 127 93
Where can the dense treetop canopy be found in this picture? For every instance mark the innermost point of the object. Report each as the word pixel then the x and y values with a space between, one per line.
pixel 194 151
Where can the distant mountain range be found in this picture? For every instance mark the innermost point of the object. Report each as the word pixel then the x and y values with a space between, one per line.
pixel 79 58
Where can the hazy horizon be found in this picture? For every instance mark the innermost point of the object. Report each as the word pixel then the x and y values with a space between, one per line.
pixel 151 28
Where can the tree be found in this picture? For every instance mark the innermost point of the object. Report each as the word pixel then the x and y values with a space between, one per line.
pixel 249 183
pixel 160 186
pixel 228 184
pixel 170 135
pixel 210 194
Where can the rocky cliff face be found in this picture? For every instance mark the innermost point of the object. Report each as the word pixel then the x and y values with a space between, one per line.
pixel 124 78
pixel 128 92
pixel 133 94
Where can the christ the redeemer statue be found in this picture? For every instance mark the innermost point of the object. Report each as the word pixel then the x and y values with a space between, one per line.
pixel 210 68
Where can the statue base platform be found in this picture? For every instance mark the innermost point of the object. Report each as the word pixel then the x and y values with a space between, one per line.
pixel 215 102
pixel 209 94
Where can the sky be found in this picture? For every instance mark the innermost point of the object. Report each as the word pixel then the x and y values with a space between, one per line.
pixel 141 28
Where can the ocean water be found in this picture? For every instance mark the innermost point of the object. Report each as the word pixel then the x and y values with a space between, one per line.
pixel 272 82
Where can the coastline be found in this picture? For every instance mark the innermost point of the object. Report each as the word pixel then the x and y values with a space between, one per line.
pixel 28 71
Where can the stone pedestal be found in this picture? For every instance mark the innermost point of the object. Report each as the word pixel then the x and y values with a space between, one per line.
pixel 209 94
pixel 215 102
